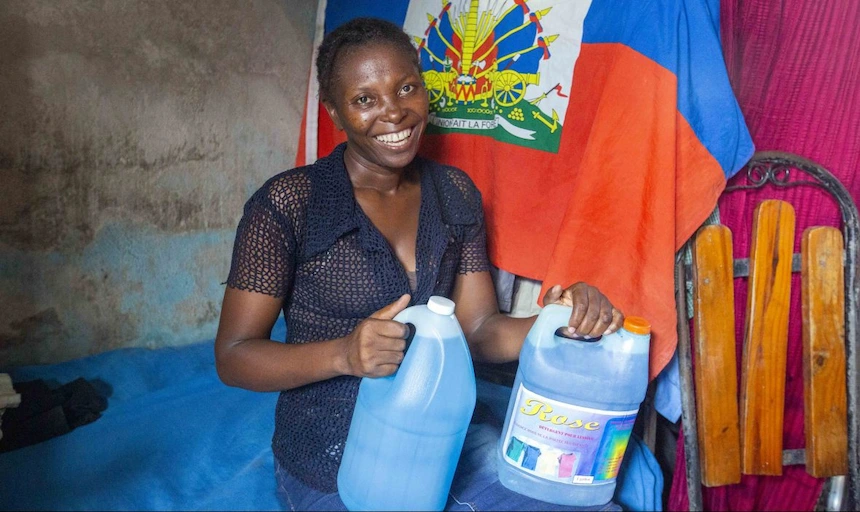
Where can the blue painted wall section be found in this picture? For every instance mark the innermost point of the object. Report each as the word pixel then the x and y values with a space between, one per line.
pixel 129 287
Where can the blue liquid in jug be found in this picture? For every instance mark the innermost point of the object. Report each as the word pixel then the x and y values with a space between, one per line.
pixel 572 406
pixel 408 429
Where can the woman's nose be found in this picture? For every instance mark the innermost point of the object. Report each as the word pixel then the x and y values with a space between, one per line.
pixel 392 110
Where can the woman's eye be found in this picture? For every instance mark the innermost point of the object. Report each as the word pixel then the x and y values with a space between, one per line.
pixel 407 88
pixel 362 100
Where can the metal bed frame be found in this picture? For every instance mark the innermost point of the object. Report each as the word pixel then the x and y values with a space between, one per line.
pixel 775 169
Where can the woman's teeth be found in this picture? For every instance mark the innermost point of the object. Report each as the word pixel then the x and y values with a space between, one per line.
pixel 395 138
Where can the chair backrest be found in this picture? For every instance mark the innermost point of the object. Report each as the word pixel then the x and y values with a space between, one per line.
pixel 730 431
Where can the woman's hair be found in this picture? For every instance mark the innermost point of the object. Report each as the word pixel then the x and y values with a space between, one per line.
pixel 354 33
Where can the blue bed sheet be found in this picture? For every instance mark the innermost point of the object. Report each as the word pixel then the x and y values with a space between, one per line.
pixel 175 438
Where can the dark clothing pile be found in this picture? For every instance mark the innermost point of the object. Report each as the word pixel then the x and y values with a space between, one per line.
pixel 45 413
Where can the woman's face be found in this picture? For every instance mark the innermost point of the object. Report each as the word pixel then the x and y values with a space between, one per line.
pixel 378 99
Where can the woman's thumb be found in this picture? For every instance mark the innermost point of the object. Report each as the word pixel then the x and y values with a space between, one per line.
pixel 391 310
pixel 553 295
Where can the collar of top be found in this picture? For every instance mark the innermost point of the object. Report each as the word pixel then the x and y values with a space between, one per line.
pixel 333 210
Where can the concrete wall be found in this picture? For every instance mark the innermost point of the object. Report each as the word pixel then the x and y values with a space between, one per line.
pixel 131 133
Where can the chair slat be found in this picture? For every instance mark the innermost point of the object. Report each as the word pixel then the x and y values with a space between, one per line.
pixel 823 299
pixel 766 338
pixel 716 360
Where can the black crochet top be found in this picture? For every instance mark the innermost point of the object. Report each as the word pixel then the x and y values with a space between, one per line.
pixel 305 238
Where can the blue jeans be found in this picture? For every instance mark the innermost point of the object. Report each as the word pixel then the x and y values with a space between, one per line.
pixel 476 484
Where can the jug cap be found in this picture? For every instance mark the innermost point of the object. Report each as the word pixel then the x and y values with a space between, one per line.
pixel 637 325
pixel 441 305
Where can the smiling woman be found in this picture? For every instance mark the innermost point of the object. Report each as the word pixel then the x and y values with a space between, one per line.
pixel 377 98
pixel 342 246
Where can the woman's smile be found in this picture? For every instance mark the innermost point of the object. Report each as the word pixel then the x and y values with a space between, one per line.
pixel 379 101
pixel 396 139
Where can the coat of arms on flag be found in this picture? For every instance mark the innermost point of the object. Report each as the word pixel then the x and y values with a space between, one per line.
pixel 498 67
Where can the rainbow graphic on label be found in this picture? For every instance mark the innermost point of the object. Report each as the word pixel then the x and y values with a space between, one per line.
pixel 612 448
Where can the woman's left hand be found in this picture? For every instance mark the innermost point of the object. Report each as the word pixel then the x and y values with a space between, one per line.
pixel 593 315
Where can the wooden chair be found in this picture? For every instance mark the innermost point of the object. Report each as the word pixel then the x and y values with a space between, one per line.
pixel 730 431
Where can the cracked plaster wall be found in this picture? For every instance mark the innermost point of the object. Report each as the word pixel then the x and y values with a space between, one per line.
pixel 132 133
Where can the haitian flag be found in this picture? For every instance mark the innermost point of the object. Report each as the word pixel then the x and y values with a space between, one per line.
pixel 600 133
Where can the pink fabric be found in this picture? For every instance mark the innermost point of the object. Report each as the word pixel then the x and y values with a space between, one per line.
pixel 795 68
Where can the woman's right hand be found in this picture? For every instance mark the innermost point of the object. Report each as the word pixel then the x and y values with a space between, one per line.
pixel 375 347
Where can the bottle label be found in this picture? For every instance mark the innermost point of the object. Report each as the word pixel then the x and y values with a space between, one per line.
pixel 566 443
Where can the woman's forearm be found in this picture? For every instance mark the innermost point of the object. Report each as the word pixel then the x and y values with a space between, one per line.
pixel 499 338
pixel 267 365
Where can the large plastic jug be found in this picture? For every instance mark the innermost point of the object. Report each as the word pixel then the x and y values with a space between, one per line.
pixel 572 410
pixel 408 429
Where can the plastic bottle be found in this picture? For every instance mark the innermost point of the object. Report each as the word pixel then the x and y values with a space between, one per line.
pixel 408 429
pixel 572 410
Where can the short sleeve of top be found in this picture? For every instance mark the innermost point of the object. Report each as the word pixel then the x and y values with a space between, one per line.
pixel 473 254
pixel 265 246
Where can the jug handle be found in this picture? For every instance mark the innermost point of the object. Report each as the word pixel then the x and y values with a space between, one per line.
pixel 405 317
pixel 552 319
pixel 409 337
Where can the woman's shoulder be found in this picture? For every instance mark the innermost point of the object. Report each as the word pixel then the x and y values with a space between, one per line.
pixel 459 196
pixel 449 176
pixel 287 189
pixel 449 173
